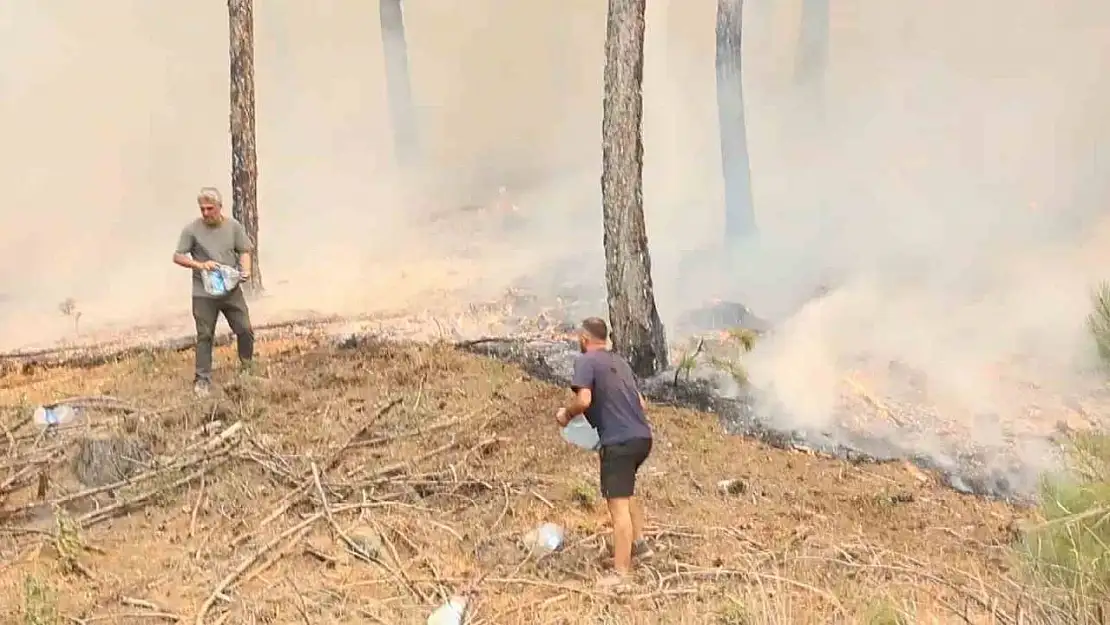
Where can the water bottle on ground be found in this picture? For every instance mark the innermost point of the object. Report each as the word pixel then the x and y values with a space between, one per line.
pixel 546 538
pixel 450 613
pixel 55 415
pixel 580 433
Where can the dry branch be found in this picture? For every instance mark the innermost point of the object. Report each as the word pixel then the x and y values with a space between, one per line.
pixel 302 491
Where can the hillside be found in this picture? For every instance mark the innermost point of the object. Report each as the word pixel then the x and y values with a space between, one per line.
pixel 441 461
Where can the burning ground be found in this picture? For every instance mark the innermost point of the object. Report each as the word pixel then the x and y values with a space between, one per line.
pixel 363 480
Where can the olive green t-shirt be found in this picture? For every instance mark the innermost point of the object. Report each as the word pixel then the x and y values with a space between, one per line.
pixel 223 244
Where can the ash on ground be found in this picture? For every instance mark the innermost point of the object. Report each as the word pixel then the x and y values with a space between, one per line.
pixel 872 422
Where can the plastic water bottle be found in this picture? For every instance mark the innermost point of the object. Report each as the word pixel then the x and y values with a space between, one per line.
pixel 450 613
pixel 216 279
pixel 548 537
pixel 580 433
pixel 56 415
pixel 231 277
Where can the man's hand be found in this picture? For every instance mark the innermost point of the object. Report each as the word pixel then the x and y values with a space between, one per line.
pixel 562 418
pixel 209 265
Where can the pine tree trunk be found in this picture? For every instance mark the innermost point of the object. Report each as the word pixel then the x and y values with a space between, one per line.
pixel 739 209
pixel 637 331
pixel 398 86
pixel 813 49
pixel 244 159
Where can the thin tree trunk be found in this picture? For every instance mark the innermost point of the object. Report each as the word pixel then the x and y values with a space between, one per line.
pixel 244 159
pixel 739 208
pixel 398 86
pixel 813 49
pixel 637 331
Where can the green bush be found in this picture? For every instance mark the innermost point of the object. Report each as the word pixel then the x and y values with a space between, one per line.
pixel 1068 551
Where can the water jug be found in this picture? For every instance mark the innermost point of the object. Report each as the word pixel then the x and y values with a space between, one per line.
pixel 580 433
pixel 450 613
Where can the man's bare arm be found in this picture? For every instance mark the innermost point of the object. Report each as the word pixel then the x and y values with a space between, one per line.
pixel 583 397
pixel 245 264
pixel 643 402
pixel 184 260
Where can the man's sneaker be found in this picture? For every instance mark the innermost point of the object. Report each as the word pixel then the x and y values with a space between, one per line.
pixel 202 388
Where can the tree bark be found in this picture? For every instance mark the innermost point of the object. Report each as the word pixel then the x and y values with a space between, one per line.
pixel 244 158
pixel 637 331
pixel 813 49
pixel 735 165
pixel 398 85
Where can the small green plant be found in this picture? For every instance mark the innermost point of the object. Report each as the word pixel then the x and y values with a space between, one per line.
pixel 886 613
pixel 1068 552
pixel 39 606
pixel 735 370
pixel 583 495
pixel 67 542
pixel 1098 321
pixel 734 614
pixel 68 308
pixel 687 362
pixel 745 337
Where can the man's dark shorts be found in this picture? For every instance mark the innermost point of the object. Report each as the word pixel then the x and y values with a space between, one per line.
pixel 619 464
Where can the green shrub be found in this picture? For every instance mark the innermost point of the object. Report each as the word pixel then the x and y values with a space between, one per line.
pixel 1068 552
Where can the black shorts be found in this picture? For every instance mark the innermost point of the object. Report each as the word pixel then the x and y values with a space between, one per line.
pixel 619 464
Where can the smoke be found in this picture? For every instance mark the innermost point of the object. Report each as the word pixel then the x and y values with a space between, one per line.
pixel 949 196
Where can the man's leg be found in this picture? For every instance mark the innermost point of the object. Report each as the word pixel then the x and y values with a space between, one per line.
pixel 205 312
pixel 239 318
pixel 640 548
pixel 618 477
pixel 636 511
pixel 622 534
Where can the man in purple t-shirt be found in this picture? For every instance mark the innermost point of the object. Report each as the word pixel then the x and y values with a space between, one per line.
pixel 605 391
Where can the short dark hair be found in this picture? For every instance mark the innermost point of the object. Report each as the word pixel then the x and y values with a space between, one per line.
pixel 596 328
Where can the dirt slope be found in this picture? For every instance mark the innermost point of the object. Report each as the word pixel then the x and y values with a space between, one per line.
pixel 442 486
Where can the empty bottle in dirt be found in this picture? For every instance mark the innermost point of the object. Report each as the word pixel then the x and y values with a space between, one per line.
pixel 450 613
pixel 580 433
pixel 546 538
pixel 55 415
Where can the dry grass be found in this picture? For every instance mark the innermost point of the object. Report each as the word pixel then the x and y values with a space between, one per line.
pixel 369 484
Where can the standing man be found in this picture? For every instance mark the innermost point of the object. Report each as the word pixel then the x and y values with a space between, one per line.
pixel 605 391
pixel 216 239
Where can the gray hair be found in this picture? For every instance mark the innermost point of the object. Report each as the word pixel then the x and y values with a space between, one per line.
pixel 210 195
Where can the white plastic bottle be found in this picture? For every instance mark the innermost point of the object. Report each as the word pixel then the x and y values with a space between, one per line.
pixel 580 433
pixel 56 415
pixel 450 613
pixel 549 537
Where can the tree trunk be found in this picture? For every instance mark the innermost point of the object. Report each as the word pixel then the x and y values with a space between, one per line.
pixel 813 50
pixel 739 208
pixel 637 331
pixel 244 159
pixel 398 87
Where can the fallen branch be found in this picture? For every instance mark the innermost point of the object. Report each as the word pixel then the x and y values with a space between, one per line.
pixel 227 581
pixel 135 479
pixel 302 491
pixel 103 514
